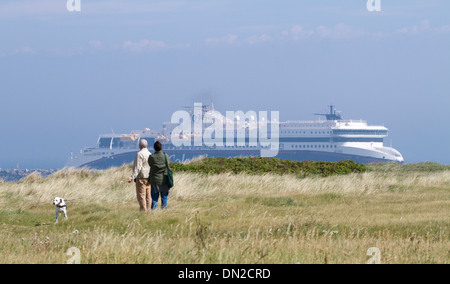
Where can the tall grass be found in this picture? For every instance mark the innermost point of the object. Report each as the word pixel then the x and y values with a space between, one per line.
pixel 228 218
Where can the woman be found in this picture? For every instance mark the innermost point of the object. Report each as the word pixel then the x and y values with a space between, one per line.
pixel 158 176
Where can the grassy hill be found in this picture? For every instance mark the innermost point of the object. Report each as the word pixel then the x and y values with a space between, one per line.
pixel 234 216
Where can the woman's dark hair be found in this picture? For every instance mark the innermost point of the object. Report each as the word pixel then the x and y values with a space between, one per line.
pixel 157 146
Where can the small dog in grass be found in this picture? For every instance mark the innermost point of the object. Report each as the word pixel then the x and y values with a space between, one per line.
pixel 60 207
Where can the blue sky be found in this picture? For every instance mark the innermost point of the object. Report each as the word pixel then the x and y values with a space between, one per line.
pixel 122 65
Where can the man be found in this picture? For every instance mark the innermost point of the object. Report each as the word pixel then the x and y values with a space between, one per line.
pixel 141 171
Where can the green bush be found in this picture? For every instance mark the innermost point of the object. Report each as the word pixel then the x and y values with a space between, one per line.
pixel 398 168
pixel 259 166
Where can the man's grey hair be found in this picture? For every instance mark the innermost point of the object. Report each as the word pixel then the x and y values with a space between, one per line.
pixel 143 143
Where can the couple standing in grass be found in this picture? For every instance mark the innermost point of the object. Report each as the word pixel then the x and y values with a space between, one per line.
pixel 151 175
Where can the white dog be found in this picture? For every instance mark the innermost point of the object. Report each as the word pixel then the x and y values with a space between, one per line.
pixel 60 207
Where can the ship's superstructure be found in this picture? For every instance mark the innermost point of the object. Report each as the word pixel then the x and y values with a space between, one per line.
pixel 333 139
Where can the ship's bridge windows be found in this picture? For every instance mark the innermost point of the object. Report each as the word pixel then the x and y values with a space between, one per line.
pixel 104 143
pixel 125 142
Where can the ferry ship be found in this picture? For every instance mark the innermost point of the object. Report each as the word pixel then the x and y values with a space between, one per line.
pixel 329 139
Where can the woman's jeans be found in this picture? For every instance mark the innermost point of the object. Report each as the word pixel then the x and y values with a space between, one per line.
pixel 155 196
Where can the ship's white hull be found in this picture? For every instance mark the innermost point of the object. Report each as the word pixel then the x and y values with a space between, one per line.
pixel 343 153
pixel 331 140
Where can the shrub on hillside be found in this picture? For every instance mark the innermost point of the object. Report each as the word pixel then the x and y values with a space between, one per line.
pixel 419 167
pixel 258 166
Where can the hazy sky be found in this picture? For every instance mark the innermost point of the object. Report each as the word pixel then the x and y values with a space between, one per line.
pixel 120 65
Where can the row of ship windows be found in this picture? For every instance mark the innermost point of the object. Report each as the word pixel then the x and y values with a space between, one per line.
pixel 303 132
pixel 340 131
pixel 313 146
pixel 304 125
pixel 324 146
pixel 234 147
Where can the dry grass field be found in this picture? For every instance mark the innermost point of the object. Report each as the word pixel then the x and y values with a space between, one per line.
pixel 228 218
